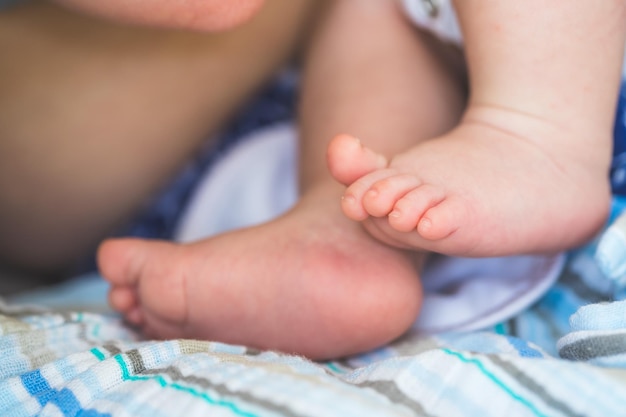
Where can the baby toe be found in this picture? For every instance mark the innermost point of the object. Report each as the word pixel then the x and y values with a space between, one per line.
pixel 383 195
pixel 409 209
pixel 440 221
pixel 352 200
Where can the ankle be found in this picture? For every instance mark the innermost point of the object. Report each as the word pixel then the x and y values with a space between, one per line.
pixel 562 142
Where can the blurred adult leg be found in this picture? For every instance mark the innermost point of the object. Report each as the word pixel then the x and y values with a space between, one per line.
pixel 95 116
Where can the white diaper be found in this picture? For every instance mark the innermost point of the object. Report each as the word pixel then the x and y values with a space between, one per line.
pixel 435 16
pixel 256 182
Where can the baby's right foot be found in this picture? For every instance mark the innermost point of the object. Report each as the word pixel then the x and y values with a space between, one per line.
pixel 482 190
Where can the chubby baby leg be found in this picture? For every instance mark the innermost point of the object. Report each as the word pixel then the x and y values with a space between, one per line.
pixel 526 169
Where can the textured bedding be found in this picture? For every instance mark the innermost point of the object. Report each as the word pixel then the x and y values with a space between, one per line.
pixel 565 356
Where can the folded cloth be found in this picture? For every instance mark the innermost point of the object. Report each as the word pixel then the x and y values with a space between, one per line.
pixel 598 335
pixel 597 332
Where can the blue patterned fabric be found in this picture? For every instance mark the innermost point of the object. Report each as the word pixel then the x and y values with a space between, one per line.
pixel 276 103
pixel 618 168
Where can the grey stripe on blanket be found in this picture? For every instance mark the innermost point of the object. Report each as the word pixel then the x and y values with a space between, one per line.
pixel 595 347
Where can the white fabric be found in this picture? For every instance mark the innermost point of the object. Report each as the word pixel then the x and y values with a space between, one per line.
pixel 251 185
pixel 256 182
pixel 436 16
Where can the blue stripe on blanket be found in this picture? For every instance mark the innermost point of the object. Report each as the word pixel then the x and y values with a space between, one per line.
pixel 524 349
pixel 64 400
pixel 109 373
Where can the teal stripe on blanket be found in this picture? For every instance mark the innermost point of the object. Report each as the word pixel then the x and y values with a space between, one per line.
pixel 496 381
pixel 127 376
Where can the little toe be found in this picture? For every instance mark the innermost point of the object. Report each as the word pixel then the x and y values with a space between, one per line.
pixel 409 209
pixel 348 160
pixel 383 195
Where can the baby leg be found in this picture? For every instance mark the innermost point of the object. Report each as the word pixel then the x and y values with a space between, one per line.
pixel 475 192
pixel 526 169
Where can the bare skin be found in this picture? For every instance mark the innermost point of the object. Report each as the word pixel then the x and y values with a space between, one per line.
pixel 204 15
pixel 311 282
pixel 526 169
pixel 87 125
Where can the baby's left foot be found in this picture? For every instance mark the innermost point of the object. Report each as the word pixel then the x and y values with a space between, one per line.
pixel 482 190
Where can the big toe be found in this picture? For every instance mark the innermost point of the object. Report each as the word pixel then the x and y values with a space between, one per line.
pixel 348 160
pixel 123 261
pixel 120 260
pixel 143 273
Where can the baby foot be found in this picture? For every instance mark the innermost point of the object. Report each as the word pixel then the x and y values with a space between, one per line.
pixel 477 191
pixel 312 283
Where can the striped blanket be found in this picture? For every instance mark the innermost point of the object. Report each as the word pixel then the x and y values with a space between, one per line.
pixel 565 356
